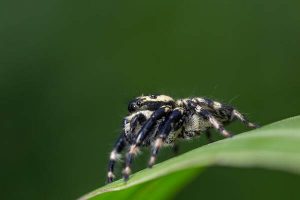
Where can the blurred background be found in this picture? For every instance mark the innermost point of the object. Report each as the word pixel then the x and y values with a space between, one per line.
pixel 68 69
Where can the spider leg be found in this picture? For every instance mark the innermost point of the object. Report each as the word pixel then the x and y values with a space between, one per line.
pixel 118 147
pixel 242 118
pixel 139 118
pixel 175 148
pixel 205 102
pixel 208 136
pixel 219 106
pixel 213 121
pixel 163 133
pixel 143 133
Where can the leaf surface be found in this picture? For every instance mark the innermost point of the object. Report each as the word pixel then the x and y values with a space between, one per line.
pixel 275 146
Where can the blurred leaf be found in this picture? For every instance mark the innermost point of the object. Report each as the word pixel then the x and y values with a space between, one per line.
pixel 276 146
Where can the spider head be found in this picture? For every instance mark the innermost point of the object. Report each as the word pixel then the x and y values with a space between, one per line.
pixel 150 102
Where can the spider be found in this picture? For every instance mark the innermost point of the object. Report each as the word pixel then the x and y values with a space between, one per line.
pixel 159 120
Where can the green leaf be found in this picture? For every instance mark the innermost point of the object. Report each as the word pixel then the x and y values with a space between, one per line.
pixel 275 146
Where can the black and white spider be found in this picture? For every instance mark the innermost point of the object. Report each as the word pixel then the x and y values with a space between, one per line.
pixel 158 120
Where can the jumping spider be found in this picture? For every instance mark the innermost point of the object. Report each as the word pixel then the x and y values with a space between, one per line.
pixel 158 120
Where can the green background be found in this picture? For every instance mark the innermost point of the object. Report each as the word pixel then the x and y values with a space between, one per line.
pixel 68 69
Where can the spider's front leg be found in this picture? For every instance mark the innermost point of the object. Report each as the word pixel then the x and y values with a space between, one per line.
pixel 140 118
pixel 142 135
pixel 118 147
pixel 166 127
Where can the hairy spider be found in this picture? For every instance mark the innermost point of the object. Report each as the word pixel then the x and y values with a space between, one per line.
pixel 158 120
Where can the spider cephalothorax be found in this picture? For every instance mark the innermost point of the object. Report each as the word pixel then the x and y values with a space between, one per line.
pixel 151 102
pixel 158 120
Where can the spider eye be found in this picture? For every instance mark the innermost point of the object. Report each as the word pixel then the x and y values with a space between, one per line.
pixel 153 96
pixel 132 106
